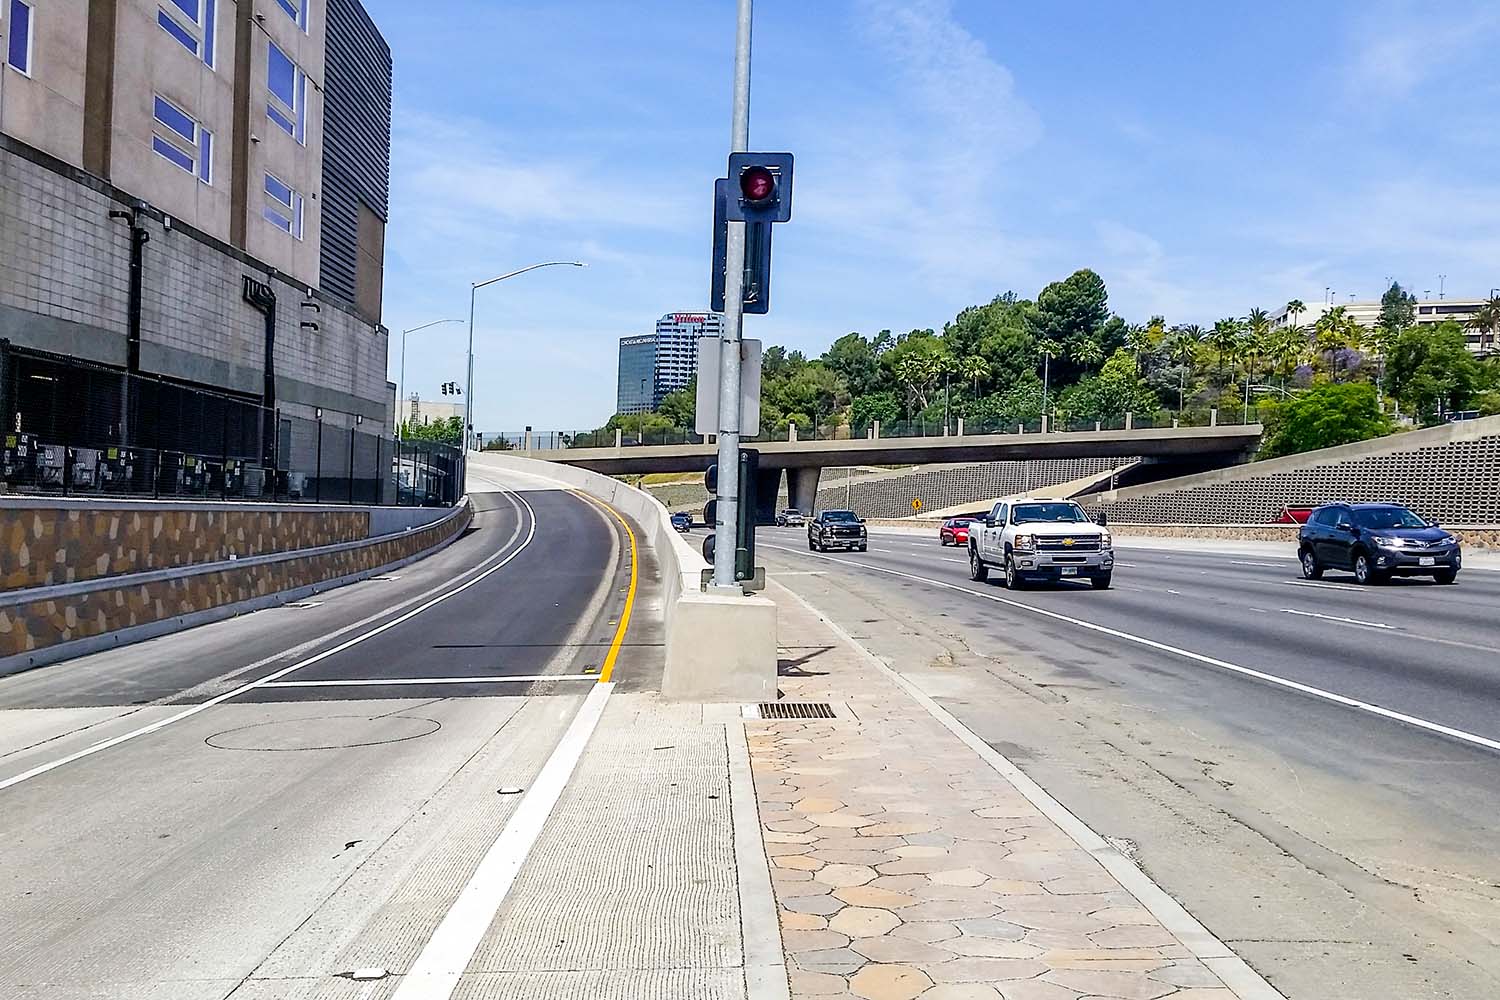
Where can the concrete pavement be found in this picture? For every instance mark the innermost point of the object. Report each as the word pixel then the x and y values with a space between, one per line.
pixel 1345 854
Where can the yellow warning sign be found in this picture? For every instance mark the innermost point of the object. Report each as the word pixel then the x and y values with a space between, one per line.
pixel 916 504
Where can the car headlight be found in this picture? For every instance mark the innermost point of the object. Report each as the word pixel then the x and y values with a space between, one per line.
pixel 1385 541
pixel 1024 542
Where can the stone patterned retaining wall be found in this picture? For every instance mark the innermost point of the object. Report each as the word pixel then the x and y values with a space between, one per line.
pixel 30 625
pixel 43 546
pixel 1482 536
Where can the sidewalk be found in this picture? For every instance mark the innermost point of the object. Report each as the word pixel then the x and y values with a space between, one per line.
pixel 911 860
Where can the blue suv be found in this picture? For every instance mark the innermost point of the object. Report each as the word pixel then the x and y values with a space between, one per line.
pixel 1376 541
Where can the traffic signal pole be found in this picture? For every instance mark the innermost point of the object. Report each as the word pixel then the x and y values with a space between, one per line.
pixel 727 510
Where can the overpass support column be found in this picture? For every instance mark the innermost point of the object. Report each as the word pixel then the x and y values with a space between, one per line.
pixel 802 484
pixel 767 491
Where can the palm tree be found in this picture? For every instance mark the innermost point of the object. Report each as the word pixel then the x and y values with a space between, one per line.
pixel 1295 308
pixel 1138 339
pixel 1088 353
pixel 974 367
pixel 1047 348
pixel 1487 322
pixel 1182 347
pixel 1224 338
pixel 1287 346
pixel 1335 331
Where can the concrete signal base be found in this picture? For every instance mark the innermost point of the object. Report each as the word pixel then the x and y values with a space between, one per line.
pixel 721 648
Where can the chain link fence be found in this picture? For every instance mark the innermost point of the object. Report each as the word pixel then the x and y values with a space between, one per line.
pixel 76 428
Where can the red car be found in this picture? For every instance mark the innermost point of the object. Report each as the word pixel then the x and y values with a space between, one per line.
pixel 955 531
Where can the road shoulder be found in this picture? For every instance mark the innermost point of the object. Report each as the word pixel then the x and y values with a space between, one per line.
pixel 903 864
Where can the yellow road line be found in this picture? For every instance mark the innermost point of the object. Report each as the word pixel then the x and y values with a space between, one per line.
pixel 607 669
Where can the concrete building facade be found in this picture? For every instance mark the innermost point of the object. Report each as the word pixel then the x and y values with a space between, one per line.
pixel 198 128
pixel 1429 312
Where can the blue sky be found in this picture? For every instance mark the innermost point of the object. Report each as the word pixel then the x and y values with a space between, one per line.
pixel 1204 158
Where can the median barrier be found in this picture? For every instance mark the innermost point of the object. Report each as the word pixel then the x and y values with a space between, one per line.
pixel 718 648
pixel 79 576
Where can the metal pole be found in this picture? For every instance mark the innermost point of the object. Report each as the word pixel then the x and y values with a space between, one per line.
pixel 401 391
pixel 318 480
pixel 469 382
pixel 727 509
pixel 350 476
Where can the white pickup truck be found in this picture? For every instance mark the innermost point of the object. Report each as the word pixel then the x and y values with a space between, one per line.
pixel 1041 540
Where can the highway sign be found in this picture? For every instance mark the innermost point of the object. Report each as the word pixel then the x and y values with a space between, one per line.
pixel 916 505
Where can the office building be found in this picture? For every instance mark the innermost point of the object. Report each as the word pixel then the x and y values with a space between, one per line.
pixel 664 362
pixel 1367 314
pixel 636 391
pixel 243 146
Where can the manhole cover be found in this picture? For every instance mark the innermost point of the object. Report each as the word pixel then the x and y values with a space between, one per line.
pixel 333 732
pixel 795 710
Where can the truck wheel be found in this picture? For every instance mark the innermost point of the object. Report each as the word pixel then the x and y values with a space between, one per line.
pixel 1013 579
pixel 810 546
pixel 1445 576
pixel 1102 581
pixel 978 571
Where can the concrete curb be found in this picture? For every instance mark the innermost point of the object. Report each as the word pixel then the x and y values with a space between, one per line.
pixel 765 961
pixel 48 655
pixel 1235 973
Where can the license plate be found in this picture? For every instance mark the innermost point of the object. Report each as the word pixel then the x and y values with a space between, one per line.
pixel 1428 561
pixel 1070 571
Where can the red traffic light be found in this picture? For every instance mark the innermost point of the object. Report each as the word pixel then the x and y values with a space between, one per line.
pixel 757 184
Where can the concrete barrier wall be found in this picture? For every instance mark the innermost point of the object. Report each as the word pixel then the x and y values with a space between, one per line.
pixel 718 648
pixel 55 621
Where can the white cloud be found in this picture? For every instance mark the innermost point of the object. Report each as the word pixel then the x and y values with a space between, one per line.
pixel 1398 48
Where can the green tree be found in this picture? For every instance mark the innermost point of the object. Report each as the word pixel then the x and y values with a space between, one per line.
pixel 1046 350
pixel 681 407
pixel 1326 415
pixel 1182 347
pixel 1294 309
pixel 1286 349
pixel 856 361
pixel 1224 338
pixel 873 406
pixel 1071 310
pixel 1431 370
pixel 1487 323
pixel 1115 391
pixel 973 368
pixel 1398 309
pixel 448 431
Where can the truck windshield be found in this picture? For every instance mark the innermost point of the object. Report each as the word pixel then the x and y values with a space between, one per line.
pixel 1058 512
pixel 839 516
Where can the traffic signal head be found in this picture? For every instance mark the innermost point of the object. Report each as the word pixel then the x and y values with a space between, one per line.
pixel 760 187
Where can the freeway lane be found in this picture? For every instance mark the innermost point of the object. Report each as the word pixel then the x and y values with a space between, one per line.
pixel 266 843
pixel 1347 856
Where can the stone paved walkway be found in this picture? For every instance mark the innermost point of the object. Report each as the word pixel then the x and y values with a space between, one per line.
pixel 904 866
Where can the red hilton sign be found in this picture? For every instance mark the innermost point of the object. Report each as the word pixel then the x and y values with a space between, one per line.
pixel 689 318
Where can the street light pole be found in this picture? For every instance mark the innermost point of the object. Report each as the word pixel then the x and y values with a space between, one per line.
pixel 730 488
pixel 469 380
pixel 401 381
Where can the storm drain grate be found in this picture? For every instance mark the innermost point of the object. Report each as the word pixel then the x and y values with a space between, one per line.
pixel 795 710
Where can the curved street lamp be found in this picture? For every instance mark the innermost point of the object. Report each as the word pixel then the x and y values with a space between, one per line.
pixel 401 380
pixel 469 381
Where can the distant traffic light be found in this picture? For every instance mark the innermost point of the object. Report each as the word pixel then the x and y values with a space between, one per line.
pixel 761 187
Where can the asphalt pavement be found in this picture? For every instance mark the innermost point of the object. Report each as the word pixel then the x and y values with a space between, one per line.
pixel 259 807
pixel 1309 766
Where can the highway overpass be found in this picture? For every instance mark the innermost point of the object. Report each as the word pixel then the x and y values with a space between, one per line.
pixel 1191 448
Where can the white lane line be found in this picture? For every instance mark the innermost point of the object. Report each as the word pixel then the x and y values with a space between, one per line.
pixel 395 681
pixel 1335 618
pixel 1260 565
pixel 1177 593
pixel 1260 675
pixel 1323 586
pixel 441 964
pixel 115 741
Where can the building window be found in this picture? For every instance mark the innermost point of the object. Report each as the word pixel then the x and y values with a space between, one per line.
pixel 283 208
pixel 287 106
pixel 191 22
pixel 296 10
pixel 179 139
pixel 18 49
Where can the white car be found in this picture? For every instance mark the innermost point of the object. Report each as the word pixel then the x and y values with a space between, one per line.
pixel 791 518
